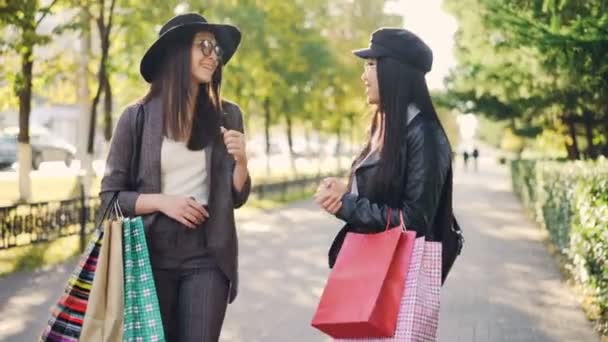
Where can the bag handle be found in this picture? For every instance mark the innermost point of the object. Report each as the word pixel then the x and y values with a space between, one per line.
pixel 388 219
pixel 112 202
pixel 136 148
pixel 133 167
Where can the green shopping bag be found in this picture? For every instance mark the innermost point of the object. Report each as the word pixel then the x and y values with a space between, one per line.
pixel 142 312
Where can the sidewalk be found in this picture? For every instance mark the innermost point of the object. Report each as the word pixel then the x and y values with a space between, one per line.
pixel 505 286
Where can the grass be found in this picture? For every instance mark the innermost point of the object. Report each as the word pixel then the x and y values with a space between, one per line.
pixel 273 202
pixel 43 189
pixel 30 257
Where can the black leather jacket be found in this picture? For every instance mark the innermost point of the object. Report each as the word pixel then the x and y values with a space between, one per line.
pixel 427 165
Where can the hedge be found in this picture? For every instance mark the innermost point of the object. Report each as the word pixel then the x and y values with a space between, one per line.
pixel 570 200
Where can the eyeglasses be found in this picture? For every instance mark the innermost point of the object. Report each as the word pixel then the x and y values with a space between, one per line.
pixel 208 46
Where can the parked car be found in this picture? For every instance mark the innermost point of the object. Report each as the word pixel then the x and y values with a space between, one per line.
pixel 8 151
pixel 45 147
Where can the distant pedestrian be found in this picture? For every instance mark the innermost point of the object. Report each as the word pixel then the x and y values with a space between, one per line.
pixel 465 158
pixel 475 158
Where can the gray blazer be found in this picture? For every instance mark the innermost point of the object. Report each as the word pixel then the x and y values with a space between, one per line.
pixel 220 230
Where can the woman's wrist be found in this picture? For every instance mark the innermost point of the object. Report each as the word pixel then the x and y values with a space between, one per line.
pixel 241 163
pixel 147 203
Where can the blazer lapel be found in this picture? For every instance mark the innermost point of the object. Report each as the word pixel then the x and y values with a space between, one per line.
pixel 211 162
pixel 153 139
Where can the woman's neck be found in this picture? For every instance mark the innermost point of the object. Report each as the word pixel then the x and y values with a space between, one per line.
pixel 377 140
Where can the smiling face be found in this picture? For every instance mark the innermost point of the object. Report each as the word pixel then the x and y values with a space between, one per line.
pixel 203 66
pixel 370 79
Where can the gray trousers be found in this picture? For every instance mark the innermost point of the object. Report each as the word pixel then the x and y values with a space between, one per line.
pixel 192 303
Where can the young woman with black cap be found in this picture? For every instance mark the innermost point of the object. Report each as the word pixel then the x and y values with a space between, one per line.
pixel 192 174
pixel 405 167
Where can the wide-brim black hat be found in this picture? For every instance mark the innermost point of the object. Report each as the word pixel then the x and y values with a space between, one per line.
pixel 399 44
pixel 227 36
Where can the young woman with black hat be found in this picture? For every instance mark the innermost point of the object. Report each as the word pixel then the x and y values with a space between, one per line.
pixel 192 174
pixel 404 167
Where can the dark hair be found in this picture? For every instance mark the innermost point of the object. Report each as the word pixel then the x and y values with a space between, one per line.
pixel 399 85
pixel 172 83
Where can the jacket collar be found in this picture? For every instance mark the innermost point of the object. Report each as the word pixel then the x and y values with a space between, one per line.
pixel 412 112
pixel 374 157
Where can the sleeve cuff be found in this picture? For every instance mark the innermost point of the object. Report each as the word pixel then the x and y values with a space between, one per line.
pixel 240 197
pixel 126 200
pixel 347 208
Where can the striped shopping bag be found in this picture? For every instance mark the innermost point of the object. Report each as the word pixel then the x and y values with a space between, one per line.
pixel 142 312
pixel 67 315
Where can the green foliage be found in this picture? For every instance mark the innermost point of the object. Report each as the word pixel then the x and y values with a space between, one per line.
pixel 524 181
pixel 31 257
pixel 589 239
pixel 535 62
pixel 511 142
pixel 295 53
pixel 571 201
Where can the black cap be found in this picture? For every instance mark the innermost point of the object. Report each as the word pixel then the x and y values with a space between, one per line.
pixel 400 44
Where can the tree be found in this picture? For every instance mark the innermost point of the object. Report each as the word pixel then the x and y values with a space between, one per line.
pixel 547 64
pixel 104 24
pixel 25 17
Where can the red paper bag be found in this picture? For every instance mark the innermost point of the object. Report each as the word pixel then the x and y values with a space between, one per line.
pixel 365 287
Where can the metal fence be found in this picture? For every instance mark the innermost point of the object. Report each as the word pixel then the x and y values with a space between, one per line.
pixel 31 223
pixel 24 224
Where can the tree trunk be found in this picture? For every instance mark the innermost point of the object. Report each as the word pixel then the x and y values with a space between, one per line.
pixel 605 149
pixel 307 137
pixel 102 75
pixel 267 133
pixel 573 151
pixel 24 93
pixel 86 159
pixel 92 124
pixel 317 129
pixel 289 132
pixel 107 106
pixel 589 135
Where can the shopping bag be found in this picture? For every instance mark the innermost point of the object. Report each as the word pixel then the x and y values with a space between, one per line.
pixel 142 312
pixel 104 317
pixel 67 315
pixel 365 287
pixel 418 317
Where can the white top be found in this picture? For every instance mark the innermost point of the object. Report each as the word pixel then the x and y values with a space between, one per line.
pixel 184 172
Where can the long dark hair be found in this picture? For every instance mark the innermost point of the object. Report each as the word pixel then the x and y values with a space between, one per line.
pixel 399 85
pixel 172 82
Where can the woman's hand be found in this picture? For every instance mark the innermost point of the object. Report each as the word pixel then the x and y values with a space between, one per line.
pixel 235 144
pixel 185 210
pixel 329 194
